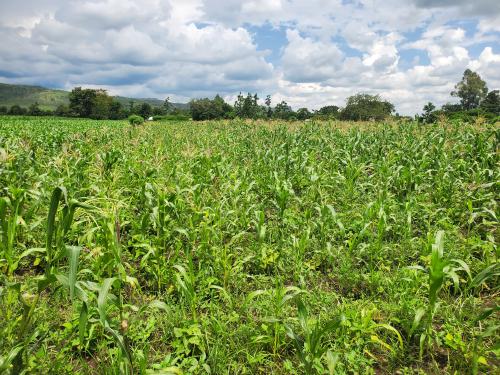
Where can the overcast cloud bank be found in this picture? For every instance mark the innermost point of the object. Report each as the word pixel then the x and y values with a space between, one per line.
pixel 310 53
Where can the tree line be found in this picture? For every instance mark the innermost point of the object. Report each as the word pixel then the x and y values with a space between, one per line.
pixel 475 100
pixel 97 104
pixel 359 107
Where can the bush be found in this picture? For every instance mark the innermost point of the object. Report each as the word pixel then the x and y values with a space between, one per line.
pixel 135 120
pixel 17 110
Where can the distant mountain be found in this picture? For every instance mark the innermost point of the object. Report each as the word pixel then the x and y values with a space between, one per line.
pixel 49 98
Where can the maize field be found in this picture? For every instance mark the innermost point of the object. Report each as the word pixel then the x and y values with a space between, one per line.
pixel 233 247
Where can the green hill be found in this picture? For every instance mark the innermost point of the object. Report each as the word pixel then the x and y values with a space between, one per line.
pixel 49 99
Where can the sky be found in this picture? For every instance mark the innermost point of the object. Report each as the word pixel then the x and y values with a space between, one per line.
pixel 310 53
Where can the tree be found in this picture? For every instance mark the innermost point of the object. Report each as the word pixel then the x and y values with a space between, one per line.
pixel 363 107
pixel 159 111
pixel 17 110
pixel 471 90
pixel 329 111
pixel 221 109
pixel 131 108
pixel 450 108
pixel 303 114
pixel 167 105
pixel 101 105
pixel 206 109
pixel 145 110
pixel 491 103
pixel 428 115
pixel 200 109
pixel 3 110
pixel 116 110
pixel 269 111
pixel 247 107
pixel 283 111
pixel 82 101
pixel 34 110
pixel 62 110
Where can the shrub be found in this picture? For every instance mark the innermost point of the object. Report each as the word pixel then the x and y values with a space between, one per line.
pixel 135 120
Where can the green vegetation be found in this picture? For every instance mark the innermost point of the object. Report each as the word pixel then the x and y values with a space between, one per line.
pixel 363 107
pixel 25 96
pixel 57 101
pixel 475 102
pixel 228 247
pixel 359 107
pixel 135 120
pixel 471 90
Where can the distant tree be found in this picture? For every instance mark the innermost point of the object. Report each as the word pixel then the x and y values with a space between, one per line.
pixel 17 110
pixel 363 107
pixel 34 110
pixel 145 110
pixel 303 114
pixel 210 109
pixel 221 108
pixel 62 110
pixel 247 107
pixel 82 101
pixel 3 110
pixel 201 109
pixel 131 107
pixel 159 111
pixel 167 105
pixel 429 116
pixel 283 111
pixel 450 108
pixel 471 90
pixel 116 111
pixel 329 111
pixel 238 105
pixel 101 105
pixel 491 103
pixel 429 107
pixel 184 114
pixel 269 111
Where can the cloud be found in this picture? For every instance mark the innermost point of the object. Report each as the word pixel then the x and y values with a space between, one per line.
pixel 306 60
pixel 156 46
pixel 329 49
pixel 382 54
pixel 464 7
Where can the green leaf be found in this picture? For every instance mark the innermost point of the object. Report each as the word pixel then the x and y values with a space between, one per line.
pixel 51 220
pixel 73 257
pixel 419 314
pixel 121 343
pixel 331 361
pixel 393 330
pixel 489 272
pixel 103 298
pixel 160 305
pixel 35 250
pixel 82 323
pixel 6 362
